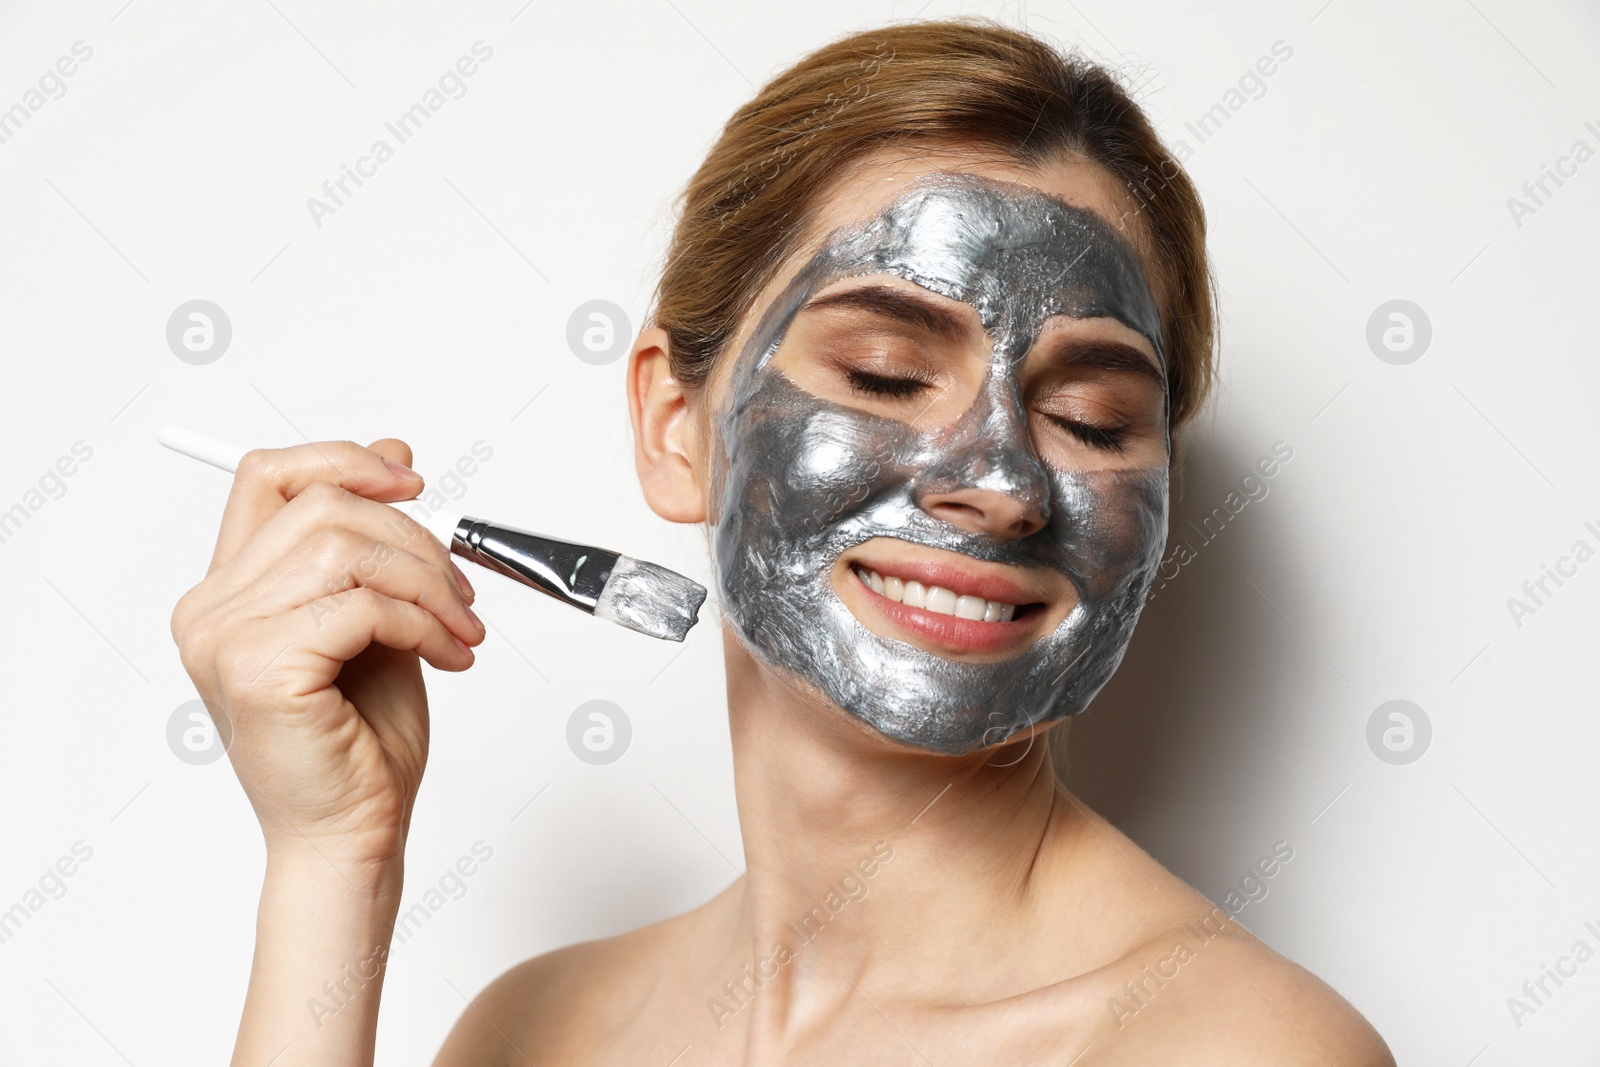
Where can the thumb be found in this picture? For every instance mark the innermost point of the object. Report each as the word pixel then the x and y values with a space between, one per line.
pixel 392 449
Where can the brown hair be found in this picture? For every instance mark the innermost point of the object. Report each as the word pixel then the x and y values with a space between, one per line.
pixel 964 82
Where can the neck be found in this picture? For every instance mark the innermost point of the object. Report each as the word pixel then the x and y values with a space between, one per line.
pixel 853 844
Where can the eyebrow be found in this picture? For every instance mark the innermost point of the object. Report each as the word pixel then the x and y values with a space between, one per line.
pixel 907 307
pixel 898 304
pixel 1107 355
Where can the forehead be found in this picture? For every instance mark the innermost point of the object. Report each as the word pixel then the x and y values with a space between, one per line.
pixel 882 179
pixel 1017 255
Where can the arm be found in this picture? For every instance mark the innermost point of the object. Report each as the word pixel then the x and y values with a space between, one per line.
pixel 322 946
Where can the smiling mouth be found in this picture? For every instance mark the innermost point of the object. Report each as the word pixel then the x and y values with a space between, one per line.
pixel 936 598
pixel 985 616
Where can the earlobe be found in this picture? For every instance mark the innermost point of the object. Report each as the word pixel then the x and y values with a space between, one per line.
pixel 666 446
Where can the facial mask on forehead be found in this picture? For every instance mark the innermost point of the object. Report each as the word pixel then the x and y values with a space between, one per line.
pixel 800 480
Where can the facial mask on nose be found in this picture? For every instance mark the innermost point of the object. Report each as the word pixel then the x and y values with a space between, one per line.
pixel 800 480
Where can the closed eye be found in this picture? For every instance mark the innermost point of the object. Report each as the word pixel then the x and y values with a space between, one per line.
pixel 1107 438
pixel 900 387
pixel 893 386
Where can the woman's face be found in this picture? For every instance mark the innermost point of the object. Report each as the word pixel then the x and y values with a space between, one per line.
pixel 938 462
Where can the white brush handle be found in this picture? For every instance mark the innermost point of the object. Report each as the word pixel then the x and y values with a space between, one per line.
pixel 212 450
pixel 226 455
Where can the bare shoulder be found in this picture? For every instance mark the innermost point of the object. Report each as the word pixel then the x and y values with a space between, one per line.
pixel 1219 995
pixel 563 1006
pixel 518 1018
pixel 1189 984
pixel 1223 997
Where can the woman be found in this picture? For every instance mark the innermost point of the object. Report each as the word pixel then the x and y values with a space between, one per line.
pixel 935 305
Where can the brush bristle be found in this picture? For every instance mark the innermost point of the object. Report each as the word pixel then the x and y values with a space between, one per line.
pixel 650 599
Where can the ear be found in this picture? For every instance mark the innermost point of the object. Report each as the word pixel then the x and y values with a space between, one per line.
pixel 666 440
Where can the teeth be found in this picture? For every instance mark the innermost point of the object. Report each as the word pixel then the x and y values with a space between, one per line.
pixel 971 607
pixel 937 599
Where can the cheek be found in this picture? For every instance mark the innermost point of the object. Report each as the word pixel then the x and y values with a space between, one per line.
pixel 1111 522
pixel 808 465
pixel 830 470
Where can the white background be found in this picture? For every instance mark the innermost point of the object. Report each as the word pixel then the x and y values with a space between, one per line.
pixel 433 306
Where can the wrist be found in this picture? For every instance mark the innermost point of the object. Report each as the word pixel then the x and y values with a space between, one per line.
pixel 354 862
pixel 350 883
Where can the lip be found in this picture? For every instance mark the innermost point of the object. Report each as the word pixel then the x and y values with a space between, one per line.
pixel 948 633
pixel 962 581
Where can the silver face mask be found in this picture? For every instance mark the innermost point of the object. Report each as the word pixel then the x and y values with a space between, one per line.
pixel 800 480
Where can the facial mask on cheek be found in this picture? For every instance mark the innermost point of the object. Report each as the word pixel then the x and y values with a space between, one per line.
pixel 800 480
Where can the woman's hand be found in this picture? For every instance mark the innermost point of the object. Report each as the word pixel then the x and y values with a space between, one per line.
pixel 305 640
pixel 305 637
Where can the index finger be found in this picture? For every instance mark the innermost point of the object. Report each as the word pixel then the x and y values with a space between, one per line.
pixel 268 478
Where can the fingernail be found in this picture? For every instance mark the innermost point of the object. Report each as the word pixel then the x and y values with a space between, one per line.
pixel 473 615
pixel 466 586
pixel 462 645
pixel 402 472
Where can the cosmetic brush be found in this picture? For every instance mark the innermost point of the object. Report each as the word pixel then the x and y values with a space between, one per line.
pixel 629 592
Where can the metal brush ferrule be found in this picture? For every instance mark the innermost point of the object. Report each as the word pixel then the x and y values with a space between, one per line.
pixel 572 573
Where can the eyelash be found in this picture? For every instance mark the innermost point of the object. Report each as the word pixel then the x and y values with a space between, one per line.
pixel 898 387
pixel 1110 439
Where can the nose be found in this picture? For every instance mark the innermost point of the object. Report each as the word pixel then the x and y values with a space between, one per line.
pixel 986 478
